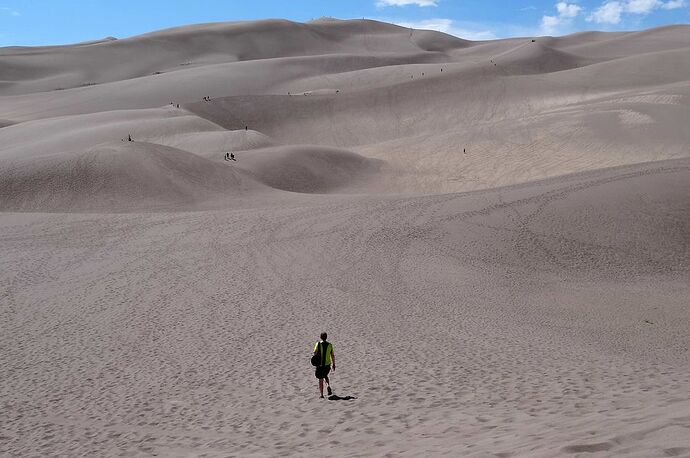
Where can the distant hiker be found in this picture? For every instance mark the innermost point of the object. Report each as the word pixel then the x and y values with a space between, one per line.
pixel 178 105
pixel 232 156
pixel 225 157
pixel 129 137
pixel 464 151
pixel 323 351
pixel 246 127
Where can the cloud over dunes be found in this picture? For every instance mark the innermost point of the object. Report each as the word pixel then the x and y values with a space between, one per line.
pixel 384 3
pixel 611 12
pixel 450 27
pixel 566 13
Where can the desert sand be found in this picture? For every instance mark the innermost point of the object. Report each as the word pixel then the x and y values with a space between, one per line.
pixel 496 236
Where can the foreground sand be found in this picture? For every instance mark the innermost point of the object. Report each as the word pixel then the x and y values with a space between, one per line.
pixel 157 300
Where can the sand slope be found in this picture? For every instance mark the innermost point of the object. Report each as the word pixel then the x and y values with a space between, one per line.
pixel 120 176
pixel 530 321
pixel 310 169
pixel 494 234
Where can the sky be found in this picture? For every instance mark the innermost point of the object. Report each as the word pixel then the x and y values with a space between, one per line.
pixel 50 22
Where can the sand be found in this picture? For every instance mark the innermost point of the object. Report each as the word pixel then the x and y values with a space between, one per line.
pixel 494 234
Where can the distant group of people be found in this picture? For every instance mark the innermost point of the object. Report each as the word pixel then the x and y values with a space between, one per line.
pixel 207 99
pixel 175 104
pixel 229 157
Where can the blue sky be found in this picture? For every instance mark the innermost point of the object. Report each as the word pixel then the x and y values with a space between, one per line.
pixel 40 22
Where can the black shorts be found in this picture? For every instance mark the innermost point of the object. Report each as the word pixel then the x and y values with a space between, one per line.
pixel 322 371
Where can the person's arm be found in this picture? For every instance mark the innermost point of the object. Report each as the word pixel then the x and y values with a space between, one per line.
pixel 333 358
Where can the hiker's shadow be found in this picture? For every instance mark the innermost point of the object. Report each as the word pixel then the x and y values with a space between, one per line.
pixel 335 397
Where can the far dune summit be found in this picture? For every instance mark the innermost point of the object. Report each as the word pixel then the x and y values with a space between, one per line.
pixel 494 234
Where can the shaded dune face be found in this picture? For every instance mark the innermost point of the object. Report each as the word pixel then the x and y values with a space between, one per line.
pixel 309 169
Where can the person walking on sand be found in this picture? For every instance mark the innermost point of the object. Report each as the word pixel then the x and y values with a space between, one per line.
pixel 324 349
pixel 232 156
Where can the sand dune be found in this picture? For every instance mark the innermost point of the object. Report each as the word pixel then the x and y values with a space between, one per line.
pixel 72 133
pixel 121 176
pixel 214 144
pixel 494 234
pixel 528 58
pixel 616 45
pixel 40 69
pixel 310 169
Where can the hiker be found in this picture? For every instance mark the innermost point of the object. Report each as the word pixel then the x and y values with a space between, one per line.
pixel 225 157
pixel 246 127
pixel 129 137
pixel 325 350
pixel 232 156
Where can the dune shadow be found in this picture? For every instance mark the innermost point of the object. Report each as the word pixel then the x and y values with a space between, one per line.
pixel 335 397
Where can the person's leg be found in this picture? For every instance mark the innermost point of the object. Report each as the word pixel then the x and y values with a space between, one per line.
pixel 321 386
pixel 328 386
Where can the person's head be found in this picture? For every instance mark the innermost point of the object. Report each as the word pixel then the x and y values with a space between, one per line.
pixel 324 336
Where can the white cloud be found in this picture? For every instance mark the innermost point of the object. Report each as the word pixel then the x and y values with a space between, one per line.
pixel 566 13
pixel 568 10
pixel 673 4
pixel 641 6
pixel 384 3
pixel 10 11
pixel 608 13
pixel 450 27
pixel 611 12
